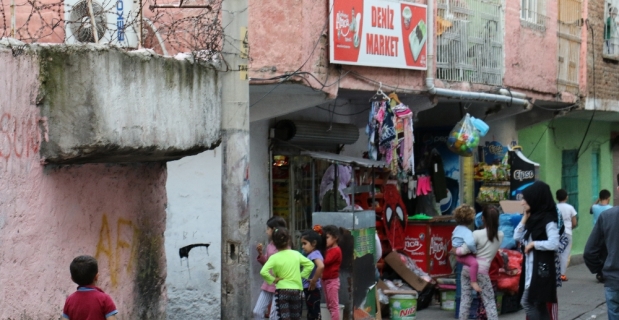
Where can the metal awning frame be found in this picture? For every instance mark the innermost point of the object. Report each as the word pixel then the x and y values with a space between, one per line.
pixel 337 159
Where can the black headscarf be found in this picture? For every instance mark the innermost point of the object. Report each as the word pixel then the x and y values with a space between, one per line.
pixel 543 210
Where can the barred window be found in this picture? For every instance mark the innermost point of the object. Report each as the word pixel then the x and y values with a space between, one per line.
pixel 533 14
pixel 470 41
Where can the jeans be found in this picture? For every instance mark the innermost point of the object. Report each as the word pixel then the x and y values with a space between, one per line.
pixel 612 303
pixel 536 310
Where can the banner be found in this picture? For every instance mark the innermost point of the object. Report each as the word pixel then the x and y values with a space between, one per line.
pixel 378 33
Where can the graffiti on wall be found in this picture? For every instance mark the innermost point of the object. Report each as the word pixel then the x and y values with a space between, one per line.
pixel 19 137
pixel 118 245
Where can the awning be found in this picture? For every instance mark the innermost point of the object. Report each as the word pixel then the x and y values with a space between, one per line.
pixel 340 159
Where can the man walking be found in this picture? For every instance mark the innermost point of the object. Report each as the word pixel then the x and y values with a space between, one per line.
pixel 602 256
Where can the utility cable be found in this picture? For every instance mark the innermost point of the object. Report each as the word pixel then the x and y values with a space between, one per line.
pixel 306 60
pixel 594 95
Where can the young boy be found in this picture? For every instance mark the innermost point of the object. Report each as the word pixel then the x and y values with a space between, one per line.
pixel 601 205
pixel 88 302
pixel 569 221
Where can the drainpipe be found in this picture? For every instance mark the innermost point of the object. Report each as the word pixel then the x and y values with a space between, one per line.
pixel 516 99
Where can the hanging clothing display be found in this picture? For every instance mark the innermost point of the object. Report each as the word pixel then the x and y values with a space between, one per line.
pixel 390 136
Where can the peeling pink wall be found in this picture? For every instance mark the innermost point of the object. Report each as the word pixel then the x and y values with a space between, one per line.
pixel 531 55
pixel 283 36
pixel 49 215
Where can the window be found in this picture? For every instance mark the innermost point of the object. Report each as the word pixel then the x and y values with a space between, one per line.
pixel 570 27
pixel 532 14
pixel 569 176
pixel 611 36
pixel 595 174
pixel 470 41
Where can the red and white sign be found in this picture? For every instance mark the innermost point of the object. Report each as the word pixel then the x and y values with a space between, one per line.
pixel 378 33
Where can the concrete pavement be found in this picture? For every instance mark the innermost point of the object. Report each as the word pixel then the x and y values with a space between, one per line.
pixel 580 298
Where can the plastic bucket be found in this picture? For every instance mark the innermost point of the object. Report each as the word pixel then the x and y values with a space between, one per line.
pixel 448 300
pixel 403 306
pixel 480 125
pixel 326 315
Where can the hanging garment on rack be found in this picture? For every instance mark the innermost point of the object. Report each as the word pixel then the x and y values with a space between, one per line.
pixel 372 131
pixel 437 172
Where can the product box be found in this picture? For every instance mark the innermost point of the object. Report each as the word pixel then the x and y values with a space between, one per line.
pixel 393 260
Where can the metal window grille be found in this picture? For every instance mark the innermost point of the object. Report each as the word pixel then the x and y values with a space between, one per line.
pixel 533 14
pixel 611 29
pixel 569 176
pixel 470 41
pixel 569 36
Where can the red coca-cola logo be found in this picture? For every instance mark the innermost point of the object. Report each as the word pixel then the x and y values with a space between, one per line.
pixel 438 248
pixel 414 245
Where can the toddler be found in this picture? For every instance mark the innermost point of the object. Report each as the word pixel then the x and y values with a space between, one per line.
pixel 311 241
pixel 463 243
pixel 267 291
pixel 331 274
pixel 286 265
pixel 88 302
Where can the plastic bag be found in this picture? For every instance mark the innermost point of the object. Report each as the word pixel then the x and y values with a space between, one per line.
pixel 509 277
pixel 464 137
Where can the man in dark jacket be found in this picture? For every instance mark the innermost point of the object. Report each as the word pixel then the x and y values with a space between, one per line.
pixel 602 256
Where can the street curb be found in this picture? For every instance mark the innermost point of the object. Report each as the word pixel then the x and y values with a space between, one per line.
pixel 576 259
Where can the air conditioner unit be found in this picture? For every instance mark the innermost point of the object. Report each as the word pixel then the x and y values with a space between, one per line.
pixel 115 21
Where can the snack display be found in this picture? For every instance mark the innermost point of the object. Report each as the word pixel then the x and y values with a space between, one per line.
pixel 489 173
pixel 493 194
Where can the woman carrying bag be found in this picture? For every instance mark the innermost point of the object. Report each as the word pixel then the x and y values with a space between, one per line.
pixel 539 234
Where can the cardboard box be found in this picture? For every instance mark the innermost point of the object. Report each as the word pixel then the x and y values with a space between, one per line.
pixel 393 260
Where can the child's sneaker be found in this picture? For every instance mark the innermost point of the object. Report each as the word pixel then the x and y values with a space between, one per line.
pixel 563 278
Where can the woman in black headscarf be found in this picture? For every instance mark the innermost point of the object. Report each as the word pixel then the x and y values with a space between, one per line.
pixel 538 231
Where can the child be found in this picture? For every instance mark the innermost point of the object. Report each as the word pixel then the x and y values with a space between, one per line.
pixel 267 292
pixel 463 243
pixel 311 241
pixel 331 274
pixel 601 205
pixel 568 215
pixel 286 265
pixel 89 302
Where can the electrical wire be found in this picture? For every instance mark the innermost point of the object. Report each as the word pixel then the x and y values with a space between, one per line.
pixel 538 141
pixel 344 114
pixel 553 109
pixel 306 60
pixel 594 95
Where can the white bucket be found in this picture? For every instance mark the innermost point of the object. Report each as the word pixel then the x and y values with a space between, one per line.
pixel 326 315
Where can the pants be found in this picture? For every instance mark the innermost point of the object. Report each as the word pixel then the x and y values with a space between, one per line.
pixel 263 303
pixel 312 300
pixel 565 255
pixel 332 289
pixel 487 295
pixel 289 304
pixel 470 261
pixel 612 303
pixel 535 310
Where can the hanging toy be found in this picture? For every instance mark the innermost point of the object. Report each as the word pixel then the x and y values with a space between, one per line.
pixel 465 136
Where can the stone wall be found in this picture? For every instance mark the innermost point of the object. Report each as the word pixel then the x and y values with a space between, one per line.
pixel 51 214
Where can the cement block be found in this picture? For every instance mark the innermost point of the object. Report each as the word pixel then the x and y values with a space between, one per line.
pixel 103 104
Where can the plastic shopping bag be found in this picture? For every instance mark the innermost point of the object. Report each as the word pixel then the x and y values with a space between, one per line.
pixel 464 137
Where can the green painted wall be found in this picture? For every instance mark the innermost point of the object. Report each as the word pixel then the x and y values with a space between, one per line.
pixel 561 134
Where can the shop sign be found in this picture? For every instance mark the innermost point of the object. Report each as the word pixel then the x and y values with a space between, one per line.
pixel 378 33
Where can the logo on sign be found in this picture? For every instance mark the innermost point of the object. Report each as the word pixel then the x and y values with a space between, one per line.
pixel 494 149
pixel 412 245
pixel 438 248
pixel 522 175
pixel 407 312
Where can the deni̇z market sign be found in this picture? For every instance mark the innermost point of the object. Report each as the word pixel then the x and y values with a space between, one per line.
pixel 378 33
